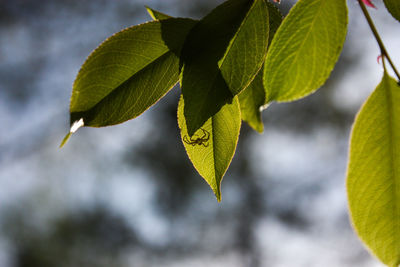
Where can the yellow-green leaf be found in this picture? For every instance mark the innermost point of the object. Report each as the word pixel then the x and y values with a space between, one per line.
pixel 305 49
pixel 129 72
pixel 251 101
pixel 373 178
pixel 394 8
pixel 211 148
pixel 221 56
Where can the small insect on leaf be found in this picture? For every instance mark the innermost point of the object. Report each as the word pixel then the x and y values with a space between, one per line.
pixel 198 140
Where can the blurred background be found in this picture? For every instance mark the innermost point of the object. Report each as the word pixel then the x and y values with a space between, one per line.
pixel 128 196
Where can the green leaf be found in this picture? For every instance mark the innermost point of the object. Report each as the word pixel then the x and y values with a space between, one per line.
pixel 156 15
pixel 221 56
pixel 305 49
pixel 373 178
pixel 213 152
pixel 394 8
pixel 65 140
pixel 129 72
pixel 253 97
pixel 217 140
pixel 251 101
pixel 275 20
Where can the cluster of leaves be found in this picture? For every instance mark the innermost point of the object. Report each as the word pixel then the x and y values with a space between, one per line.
pixel 230 65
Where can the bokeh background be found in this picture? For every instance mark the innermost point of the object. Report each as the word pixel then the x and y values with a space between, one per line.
pixel 128 196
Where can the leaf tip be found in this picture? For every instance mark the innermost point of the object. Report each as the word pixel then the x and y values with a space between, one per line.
pixel 150 11
pixel 218 195
pixel 65 140
pixel 217 191
pixel 260 129
pixel 191 128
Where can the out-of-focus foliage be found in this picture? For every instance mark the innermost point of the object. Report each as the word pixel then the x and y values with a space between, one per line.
pixel 91 238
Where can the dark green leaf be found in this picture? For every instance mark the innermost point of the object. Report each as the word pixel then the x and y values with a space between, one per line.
pixel 394 8
pixel 373 178
pixel 253 97
pixel 221 56
pixel 275 20
pixel 129 72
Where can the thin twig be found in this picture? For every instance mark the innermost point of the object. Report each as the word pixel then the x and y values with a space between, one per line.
pixel 384 52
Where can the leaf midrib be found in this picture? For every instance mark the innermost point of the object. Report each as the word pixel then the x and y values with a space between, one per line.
pixel 158 83
pixel 301 46
pixel 214 156
pixel 124 81
pixel 223 60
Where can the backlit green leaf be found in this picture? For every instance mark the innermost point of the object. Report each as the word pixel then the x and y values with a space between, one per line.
pixel 394 8
pixel 129 72
pixel 221 56
pixel 373 179
pixel 251 101
pixel 216 143
pixel 253 97
pixel 305 49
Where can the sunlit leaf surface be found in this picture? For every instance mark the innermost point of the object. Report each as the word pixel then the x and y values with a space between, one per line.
pixel 221 56
pixel 129 72
pixel 373 180
pixel 212 147
pixel 252 99
pixel 305 49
